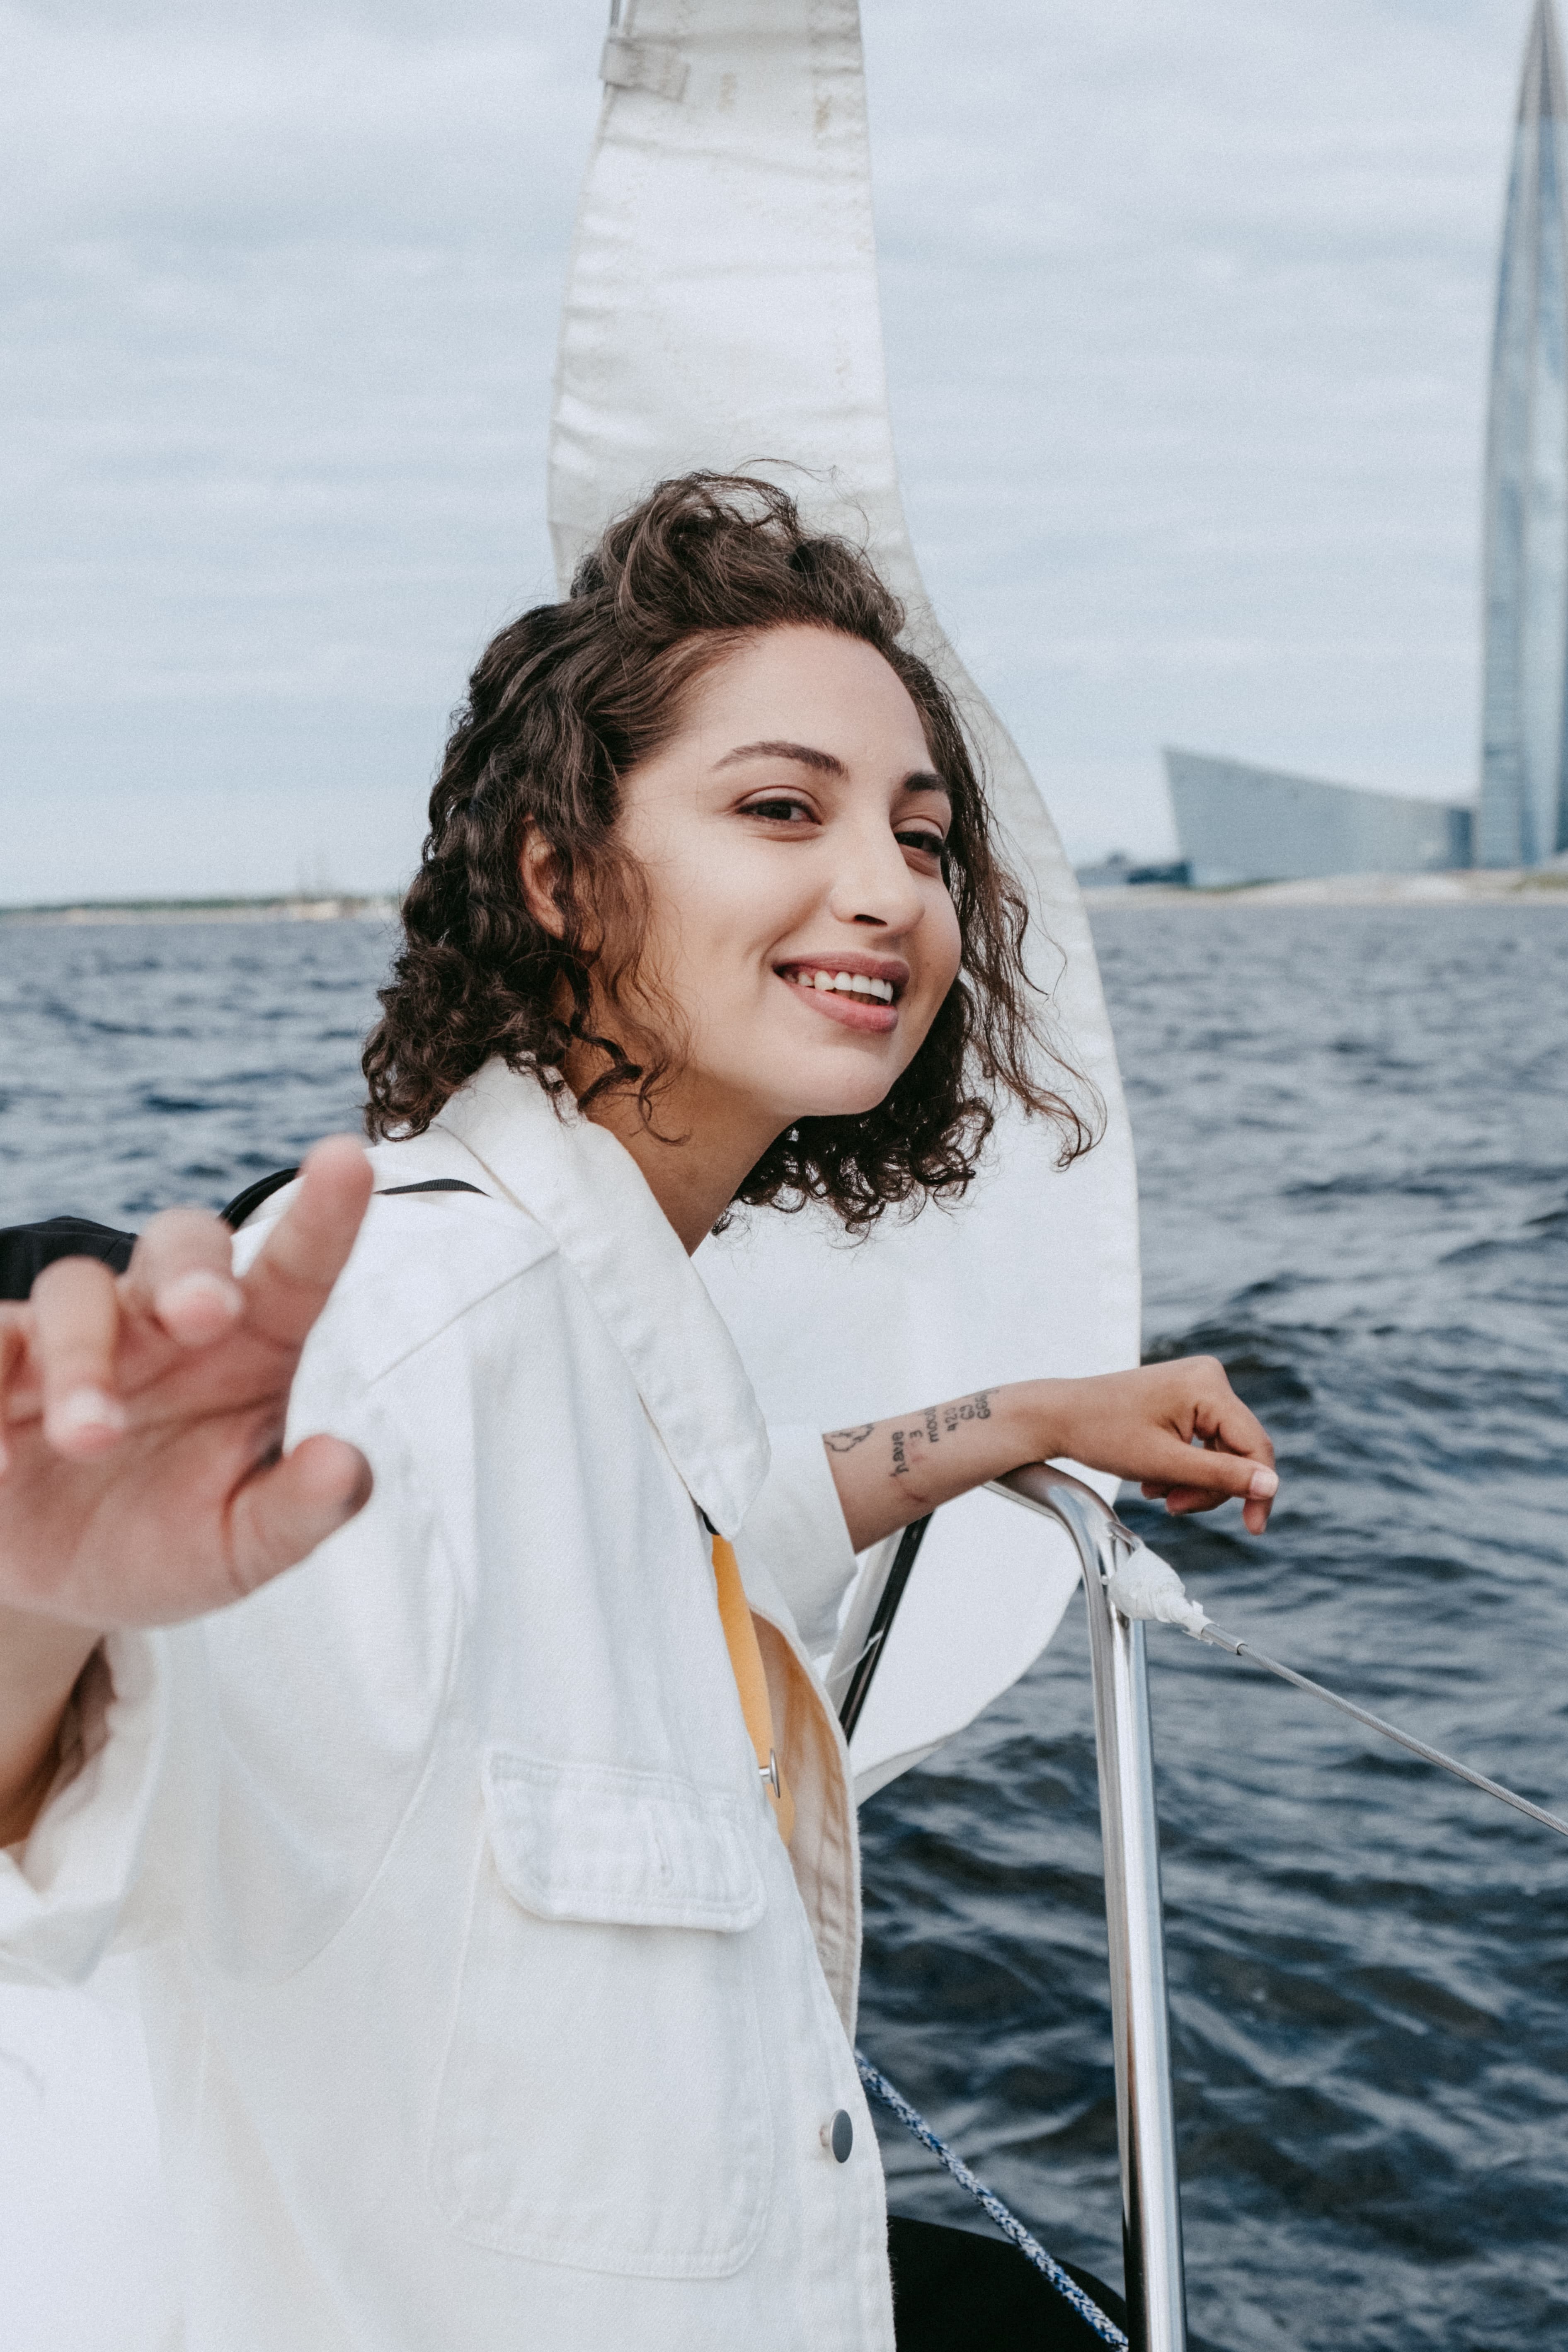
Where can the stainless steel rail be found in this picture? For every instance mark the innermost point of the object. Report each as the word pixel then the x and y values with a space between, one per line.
pixel 1145 2125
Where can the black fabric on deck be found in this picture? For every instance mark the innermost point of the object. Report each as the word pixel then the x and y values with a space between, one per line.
pixel 954 2290
pixel 25 1250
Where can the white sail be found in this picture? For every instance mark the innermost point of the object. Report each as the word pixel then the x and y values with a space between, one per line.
pixel 722 309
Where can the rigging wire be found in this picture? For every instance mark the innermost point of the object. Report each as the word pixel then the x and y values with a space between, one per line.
pixel 1219 1639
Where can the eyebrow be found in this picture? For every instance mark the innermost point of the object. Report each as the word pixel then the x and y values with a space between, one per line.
pixel 806 755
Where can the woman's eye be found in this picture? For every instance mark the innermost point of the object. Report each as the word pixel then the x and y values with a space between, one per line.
pixel 783 809
pixel 932 844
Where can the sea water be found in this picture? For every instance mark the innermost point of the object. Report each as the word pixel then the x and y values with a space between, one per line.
pixel 1353 1136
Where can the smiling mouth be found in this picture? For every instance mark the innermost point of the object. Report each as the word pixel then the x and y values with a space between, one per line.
pixel 867 1001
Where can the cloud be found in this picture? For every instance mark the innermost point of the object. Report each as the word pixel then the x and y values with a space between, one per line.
pixel 1187 313
pixel 281 297
pixel 1202 293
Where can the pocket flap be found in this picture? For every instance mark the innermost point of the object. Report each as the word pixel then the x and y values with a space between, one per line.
pixel 596 1842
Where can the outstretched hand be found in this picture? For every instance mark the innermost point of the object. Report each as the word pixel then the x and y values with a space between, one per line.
pixel 141 1473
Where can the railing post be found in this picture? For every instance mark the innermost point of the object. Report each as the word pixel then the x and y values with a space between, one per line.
pixel 1145 2122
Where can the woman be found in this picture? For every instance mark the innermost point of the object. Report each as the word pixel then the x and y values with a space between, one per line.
pixel 493 1877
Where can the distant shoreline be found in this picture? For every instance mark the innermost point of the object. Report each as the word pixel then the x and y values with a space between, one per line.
pixel 1480 886
pixel 324 909
pixel 1472 887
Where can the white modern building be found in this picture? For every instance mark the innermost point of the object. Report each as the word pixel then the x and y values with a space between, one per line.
pixel 1241 824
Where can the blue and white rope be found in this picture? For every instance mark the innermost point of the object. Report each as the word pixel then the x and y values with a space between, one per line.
pixel 1065 2286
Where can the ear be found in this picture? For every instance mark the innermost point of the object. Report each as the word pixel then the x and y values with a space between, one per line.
pixel 539 869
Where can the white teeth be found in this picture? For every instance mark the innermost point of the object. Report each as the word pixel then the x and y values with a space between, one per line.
pixel 848 984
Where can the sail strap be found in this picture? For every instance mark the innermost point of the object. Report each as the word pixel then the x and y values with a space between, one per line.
pixel 751 1681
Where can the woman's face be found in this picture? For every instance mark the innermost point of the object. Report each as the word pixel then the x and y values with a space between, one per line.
pixel 792 835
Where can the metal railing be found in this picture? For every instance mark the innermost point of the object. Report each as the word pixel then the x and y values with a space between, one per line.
pixel 1134 1917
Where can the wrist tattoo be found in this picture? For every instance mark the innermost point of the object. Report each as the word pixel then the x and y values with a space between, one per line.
pixel 845 1441
pixel 933 1419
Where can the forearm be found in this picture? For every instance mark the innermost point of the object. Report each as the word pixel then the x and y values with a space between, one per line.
pixel 41 1660
pixel 891 1472
pixel 1178 1428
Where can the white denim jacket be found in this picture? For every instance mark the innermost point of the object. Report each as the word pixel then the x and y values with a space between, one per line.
pixel 485 2009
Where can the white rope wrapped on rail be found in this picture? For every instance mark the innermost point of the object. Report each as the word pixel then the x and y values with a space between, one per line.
pixel 1145 1585
pixel 1066 2286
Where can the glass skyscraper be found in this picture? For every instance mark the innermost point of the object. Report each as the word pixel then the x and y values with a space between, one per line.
pixel 1524 812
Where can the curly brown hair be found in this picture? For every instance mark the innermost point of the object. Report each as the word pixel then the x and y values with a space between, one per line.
pixel 563 705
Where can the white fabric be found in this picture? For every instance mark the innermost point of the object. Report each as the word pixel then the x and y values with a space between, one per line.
pixel 87 2256
pixel 1147 1586
pixel 483 2004
pixel 722 309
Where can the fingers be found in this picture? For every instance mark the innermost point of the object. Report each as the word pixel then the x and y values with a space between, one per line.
pixel 1217 1476
pixel 1261 1490
pixel 181 1274
pixel 1213 1479
pixel 1221 1419
pixel 75 1315
pixel 1232 1456
pixel 66 1343
pixel 288 1287
pixel 283 1513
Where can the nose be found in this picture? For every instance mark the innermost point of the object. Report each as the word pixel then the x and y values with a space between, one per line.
pixel 872 884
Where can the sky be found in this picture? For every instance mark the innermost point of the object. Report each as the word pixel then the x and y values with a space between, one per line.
pixel 1187 310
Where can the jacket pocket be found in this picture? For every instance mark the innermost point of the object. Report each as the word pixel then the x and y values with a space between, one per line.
pixel 604 2102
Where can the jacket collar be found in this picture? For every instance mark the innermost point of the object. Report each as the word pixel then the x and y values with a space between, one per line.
pixel 590 1195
